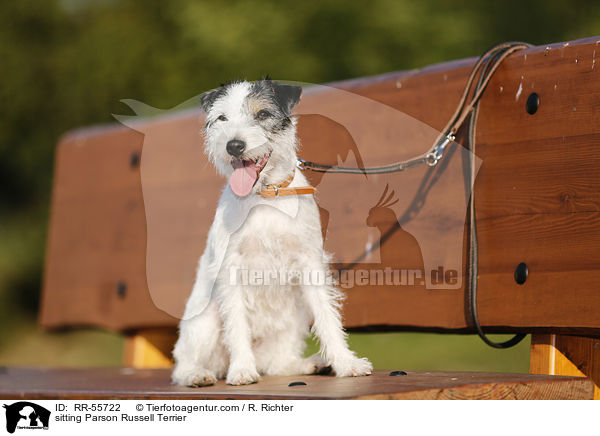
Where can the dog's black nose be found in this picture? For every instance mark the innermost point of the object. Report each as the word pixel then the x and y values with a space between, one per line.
pixel 235 147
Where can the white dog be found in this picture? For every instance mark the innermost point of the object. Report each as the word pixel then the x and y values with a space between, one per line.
pixel 266 220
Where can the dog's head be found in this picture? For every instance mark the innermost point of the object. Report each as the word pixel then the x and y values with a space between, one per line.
pixel 250 134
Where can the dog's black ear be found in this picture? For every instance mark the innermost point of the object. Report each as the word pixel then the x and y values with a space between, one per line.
pixel 287 96
pixel 208 98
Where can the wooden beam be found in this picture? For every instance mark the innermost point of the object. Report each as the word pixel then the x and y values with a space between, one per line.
pixel 150 348
pixel 124 258
pixel 566 355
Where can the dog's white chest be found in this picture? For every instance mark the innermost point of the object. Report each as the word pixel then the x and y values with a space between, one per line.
pixel 270 250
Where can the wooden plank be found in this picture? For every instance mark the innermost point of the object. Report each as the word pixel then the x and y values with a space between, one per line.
pixel 149 348
pixel 127 383
pixel 566 355
pixel 536 195
pixel 78 261
pixel 95 262
pixel 537 192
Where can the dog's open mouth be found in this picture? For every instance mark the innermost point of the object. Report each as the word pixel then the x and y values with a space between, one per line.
pixel 245 174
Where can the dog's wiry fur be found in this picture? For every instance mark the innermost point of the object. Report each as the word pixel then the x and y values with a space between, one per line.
pixel 236 331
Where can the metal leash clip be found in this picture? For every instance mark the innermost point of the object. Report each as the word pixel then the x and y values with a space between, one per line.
pixel 300 164
pixel 433 157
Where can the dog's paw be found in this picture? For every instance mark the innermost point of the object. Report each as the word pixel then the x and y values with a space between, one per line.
pixel 200 380
pixel 194 379
pixel 353 367
pixel 315 364
pixel 242 376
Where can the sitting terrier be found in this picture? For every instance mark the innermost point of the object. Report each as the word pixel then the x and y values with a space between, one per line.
pixel 266 220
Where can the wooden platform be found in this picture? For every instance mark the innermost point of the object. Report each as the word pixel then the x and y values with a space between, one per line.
pixel 128 383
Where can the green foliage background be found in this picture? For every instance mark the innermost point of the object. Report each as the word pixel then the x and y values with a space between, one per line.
pixel 67 63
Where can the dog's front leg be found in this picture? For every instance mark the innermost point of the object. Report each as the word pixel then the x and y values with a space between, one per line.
pixel 237 337
pixel 327 326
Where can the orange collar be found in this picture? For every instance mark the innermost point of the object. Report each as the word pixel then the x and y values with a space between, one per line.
pixel 282 189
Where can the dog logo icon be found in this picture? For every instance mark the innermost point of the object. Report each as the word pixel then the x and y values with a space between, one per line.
pixel 26 415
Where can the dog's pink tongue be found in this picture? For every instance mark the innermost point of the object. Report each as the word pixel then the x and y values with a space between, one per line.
pixel 243 178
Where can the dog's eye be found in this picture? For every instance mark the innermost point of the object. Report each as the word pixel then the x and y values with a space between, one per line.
pixel 263 115
pixel 222 118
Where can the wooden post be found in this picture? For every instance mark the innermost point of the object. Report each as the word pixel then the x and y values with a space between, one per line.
pixel 566 355
pixel 150 348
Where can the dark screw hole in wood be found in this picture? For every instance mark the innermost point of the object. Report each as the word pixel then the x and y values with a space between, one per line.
pixel 134 160
pixel 397 373
pixel 292 384
pixel 521 273
pixel 121 289
pixel 533 102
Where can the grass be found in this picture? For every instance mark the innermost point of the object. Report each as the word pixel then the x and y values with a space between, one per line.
pixel 436 352
pixel 31 346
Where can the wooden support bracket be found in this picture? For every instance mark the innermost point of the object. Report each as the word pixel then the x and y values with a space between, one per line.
pixel 566 355
pixel 149 348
